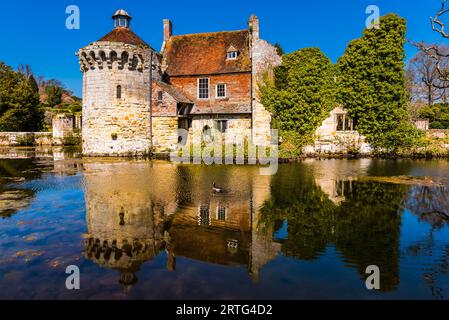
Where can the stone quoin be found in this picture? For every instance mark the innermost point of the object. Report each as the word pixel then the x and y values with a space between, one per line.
pixel 199 82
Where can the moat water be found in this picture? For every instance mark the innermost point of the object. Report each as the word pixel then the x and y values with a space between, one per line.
pixel 156 230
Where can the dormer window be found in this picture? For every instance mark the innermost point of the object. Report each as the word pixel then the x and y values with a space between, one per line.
pixel 232 55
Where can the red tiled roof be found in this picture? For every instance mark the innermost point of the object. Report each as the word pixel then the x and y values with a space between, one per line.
pixel 206 53
pixel 176 93
pixel 124 35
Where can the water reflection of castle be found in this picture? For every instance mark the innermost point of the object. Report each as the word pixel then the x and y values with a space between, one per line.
pixel 136 211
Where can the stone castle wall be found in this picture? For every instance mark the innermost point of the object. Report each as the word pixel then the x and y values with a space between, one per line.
pixel 112 125
pixel 165 133
pixel 265 58
pixel 11 139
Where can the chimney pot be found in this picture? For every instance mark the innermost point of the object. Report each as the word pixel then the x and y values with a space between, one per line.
pixel 254 26
pixel 168 29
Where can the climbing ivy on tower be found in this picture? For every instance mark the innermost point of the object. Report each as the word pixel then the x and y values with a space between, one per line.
pixel 300 94
pixel 372 85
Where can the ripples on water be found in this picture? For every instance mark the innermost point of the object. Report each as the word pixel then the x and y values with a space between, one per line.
pixel 142 229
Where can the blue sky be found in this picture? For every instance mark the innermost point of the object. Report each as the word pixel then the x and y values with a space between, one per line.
pixel 34 32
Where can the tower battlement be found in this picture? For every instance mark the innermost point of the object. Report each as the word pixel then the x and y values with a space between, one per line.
pixel 101 55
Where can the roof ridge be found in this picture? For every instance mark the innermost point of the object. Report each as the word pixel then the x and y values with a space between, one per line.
pixel 206 33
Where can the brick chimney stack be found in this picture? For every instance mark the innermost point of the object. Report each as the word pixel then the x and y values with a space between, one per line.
pixel 254 26
pixel 168 30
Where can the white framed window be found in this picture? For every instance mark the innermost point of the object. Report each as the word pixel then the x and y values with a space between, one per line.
pixel 203 88
pixel 204 215
pixel 220 91
pixel 222 213
pixel 232 55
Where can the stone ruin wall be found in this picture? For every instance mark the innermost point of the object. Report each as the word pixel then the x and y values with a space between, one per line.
pixel 330 141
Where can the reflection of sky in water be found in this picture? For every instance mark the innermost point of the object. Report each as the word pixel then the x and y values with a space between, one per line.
pixel 315 253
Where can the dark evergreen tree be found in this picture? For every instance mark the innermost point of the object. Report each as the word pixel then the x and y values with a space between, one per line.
pixel 19 101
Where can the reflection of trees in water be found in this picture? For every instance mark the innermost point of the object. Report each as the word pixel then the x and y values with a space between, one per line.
pixel 380 167
pixel 435 267
pixel 19 168
pixel 430 205
pixel 365 228
pixel 13 199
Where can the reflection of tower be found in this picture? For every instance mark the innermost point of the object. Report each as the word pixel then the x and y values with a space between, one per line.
pixel 126 214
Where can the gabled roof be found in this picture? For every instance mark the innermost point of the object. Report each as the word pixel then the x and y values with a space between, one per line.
pixel 176 93
pixel 124 35
pixel 205 53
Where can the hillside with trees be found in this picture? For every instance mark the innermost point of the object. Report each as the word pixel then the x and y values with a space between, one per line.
pixel 27 103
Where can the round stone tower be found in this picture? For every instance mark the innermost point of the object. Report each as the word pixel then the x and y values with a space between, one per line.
pixel 116 82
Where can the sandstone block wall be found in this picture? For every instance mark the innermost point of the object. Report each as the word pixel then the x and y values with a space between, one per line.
pixel 237 125
pixel 329 140
pixel 265 58
pixel 12 139
pixel 62 125
pixel 165 133
pixel 112 125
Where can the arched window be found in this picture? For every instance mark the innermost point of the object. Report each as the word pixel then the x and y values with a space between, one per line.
pixel 119 92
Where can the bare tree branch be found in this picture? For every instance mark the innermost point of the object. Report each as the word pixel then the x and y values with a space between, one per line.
pixel 436 52
pixel 440 55
pixel 437 24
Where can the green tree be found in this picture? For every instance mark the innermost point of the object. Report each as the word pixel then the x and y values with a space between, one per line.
pixel 300 96
pixel 19 101
pixel 279 49
pixel 54 91
pixel 373 84
pixel 438 114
